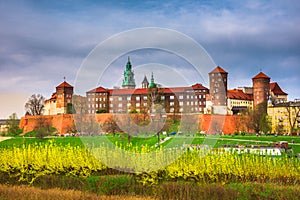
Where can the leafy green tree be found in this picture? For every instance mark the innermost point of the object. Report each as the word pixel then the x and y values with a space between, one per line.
pixel 265 124
pixel 256 116
pixel 70 109
pixel 13 125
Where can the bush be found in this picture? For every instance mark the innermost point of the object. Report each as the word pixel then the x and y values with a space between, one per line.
pixel 101 111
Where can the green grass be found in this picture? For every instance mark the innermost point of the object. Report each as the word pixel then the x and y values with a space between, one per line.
pixel 19 142
pixel 151 140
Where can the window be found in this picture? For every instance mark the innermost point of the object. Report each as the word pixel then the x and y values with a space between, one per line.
pixel 89 99
pixel 120 98
pixel 145 104
pixel 96 105
pixel 196 103
pixel 111 105
pixel 120 105
pixel 187 96
pixel 96 99
pixel 171 97
pixel 181 110
pixel 100 105
pixel 181 103
pixel 145 97
pixel 137 98
pixel 171 103
pixel 192 97
pixel 187 103
pixel 129 104
pixel 171 109
pixel 192 103
pixel 137 104
pixel 162 97
pixel 180 96
pixel 89 105
pixel 110 98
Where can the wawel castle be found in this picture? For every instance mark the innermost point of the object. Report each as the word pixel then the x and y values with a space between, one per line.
pixel 217 99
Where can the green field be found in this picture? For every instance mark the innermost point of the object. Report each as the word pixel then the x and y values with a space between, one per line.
pixel 65 163
pixel 218 141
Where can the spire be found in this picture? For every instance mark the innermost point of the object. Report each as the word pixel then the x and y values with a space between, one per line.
pixel 152 84
pixel 128 65
pixel 145 82
pixel 128 81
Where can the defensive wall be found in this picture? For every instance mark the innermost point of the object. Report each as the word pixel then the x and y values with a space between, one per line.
pixel 65 122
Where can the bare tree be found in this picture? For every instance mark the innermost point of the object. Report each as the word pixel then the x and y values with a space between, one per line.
pixel 35 104
pixel 110 126
pixel 13 125
pixel 293 110
pixel 42 128
pixel 189 124
pixel 80 104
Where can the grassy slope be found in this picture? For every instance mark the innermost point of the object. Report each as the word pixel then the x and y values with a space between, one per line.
pixel 152 140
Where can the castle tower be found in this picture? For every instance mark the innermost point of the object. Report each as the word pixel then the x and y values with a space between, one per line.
pixel 128 81
pixel 261 89
pixel 152 83
pixel 64 94
pixel 218 86
pixel 145 82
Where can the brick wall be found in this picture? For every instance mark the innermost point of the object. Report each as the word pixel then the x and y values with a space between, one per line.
pixel 64 122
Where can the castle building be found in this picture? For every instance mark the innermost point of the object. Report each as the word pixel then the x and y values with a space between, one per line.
pixel 128 98
pixel 285 117
pixel 60 99
pixel 276 94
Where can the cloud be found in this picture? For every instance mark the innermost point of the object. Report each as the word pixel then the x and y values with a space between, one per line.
pixel 43 41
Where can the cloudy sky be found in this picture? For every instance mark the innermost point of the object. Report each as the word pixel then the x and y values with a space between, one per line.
pixel 44 41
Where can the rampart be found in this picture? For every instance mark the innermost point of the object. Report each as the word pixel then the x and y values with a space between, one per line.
pixel 65 122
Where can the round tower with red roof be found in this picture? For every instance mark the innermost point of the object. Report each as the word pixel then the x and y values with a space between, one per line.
pixel 218 86
pixel 261 89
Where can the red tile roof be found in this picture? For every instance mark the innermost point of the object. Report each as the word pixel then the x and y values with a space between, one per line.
pixel 261 75
pixel 218 69
pixel 64 84
pixel 275 88
pixel 98 90
pixel 238 94
pixel 198 86
pixel 144 91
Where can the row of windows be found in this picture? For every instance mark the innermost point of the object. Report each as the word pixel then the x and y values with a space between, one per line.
pixel 241 102
pixel 193 109
pixel 96 106
pixel 138 98
pixel 120 105
pixel 96 99
pixel 93 94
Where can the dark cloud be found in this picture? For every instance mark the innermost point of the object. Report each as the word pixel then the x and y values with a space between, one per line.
pixel 43 41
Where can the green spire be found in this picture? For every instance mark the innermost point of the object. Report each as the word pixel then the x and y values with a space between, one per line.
pixel 152 84
pixel 128 81
pixel 128 65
